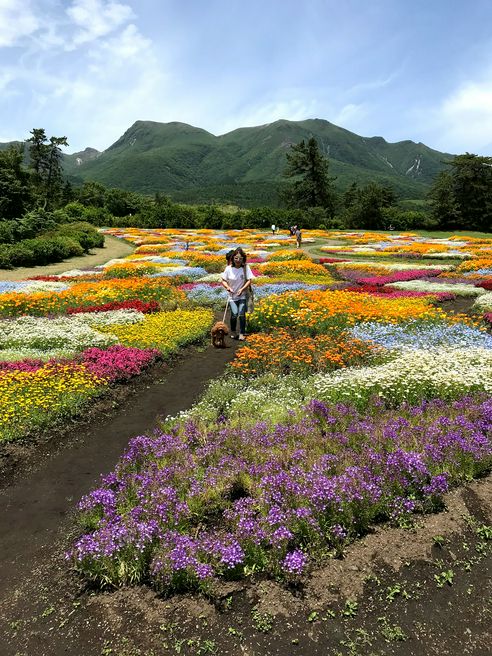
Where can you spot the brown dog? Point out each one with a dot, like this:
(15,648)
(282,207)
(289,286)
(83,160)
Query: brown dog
(218,333)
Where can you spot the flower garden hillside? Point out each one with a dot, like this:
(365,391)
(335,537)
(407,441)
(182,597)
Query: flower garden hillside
(361,394)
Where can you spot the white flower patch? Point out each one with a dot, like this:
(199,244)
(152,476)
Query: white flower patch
(483,303)
(13,355)
(40,333)
(75,273)
(211,277)
(450,255)
(410,376)
(119,260)
(424,286)
(112,317)
(414,375)
(42,286)
(392,266)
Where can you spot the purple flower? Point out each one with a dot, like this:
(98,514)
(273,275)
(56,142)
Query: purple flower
(294,562)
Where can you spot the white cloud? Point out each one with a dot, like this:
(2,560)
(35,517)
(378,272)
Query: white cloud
(17,20)
(97,18)
(349,116)
(292,110)
(128,45)
(467,116)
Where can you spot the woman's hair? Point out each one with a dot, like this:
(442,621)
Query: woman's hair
(239,251)
(229,255)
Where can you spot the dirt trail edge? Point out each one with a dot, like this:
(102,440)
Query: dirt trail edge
(35,507)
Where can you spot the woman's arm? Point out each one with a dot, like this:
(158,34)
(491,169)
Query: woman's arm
(244,287)
(226,285)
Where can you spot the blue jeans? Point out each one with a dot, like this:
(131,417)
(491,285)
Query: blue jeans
(238,309)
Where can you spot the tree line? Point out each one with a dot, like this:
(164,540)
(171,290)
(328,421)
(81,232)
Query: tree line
(34,195)
(459,199)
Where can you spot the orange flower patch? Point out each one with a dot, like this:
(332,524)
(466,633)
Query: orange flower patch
(285,352)
(315,312)
(94,293)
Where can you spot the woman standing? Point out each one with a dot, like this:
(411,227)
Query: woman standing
(236,279)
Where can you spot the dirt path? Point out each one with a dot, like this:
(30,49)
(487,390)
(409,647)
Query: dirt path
(113,248)
(36,509)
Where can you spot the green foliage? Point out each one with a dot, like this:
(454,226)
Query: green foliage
(312,187)
(30,225)
(401,219)
(92,194)
(84,233)
(53,245)
(245,166)
(15,191)
(38,251)
(119,202)
(365,207)
(46,164)
(462,196)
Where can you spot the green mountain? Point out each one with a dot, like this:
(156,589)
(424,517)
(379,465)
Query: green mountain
(245,166)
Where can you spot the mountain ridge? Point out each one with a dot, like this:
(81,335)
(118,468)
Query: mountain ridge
(188,162)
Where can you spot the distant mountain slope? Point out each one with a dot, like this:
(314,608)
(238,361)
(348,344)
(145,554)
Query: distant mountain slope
(246,164)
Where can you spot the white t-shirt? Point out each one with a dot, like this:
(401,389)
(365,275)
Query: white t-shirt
(235,278)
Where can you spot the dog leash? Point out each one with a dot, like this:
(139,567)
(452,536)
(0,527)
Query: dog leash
(225,311)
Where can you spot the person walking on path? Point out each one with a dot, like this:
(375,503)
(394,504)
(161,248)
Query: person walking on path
(236,279)
(298,234)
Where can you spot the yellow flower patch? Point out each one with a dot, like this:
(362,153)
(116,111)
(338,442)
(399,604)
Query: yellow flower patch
(166,331)
(300,267)
(31,399)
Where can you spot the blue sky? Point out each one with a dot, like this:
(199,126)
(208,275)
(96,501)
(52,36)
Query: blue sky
(87,69)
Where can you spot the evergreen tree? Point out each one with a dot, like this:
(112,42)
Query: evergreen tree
(54,170)
(92,194)
(365,207)
(45,160)
(313,187)
(15,191)
(444,209)
(462,197)
(472,184)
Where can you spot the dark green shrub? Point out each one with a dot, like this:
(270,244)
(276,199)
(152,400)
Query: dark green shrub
(5,257)
(6,232)
(22,254)
(64,246)
(84,233)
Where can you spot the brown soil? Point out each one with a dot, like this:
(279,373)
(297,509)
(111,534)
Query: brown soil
(425,589)
(113,248)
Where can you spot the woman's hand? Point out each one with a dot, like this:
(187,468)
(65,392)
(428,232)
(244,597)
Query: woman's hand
(227,287)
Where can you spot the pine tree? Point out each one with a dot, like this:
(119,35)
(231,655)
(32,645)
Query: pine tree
(462,197)
(45,160)
(313,187)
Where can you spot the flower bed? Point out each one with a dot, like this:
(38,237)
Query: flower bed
(284,352)
(36,398)
(82,294)
(184,506)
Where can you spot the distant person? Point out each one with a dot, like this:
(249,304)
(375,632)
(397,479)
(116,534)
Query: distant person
(274,227)
(236,279)
(298,235)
